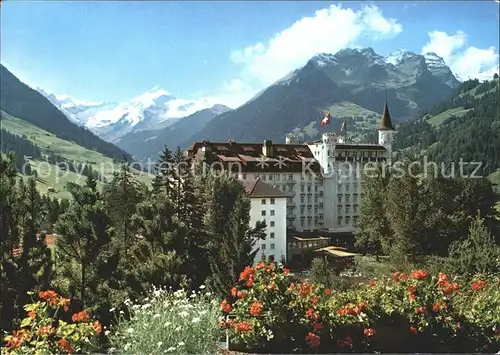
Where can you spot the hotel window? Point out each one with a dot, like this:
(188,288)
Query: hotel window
(272,246)
(290,176)
(329,152)
(315,209)
(302,210)
(270,177)
(302,200)
(355,196)
(347,220)
(277,177)
(271,224)
(263,201)
(272,201)
(355,208)
(309,209)
(263,177)
(309,220)
(290,224)
(347,197)
(301,222)
(321,194)
(263,213)
(263,247)
(309,188)
(321,205)
(347,187)
(302,187)
(339,221)
(340,198)
(315,199)
(309,199)
(355,221)
(347,208)
(272,212)
(321,216)
(271,235)
(315,188)
(339,207)
(271,258)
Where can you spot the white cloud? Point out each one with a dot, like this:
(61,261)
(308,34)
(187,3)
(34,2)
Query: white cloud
(329,30)
(465,61)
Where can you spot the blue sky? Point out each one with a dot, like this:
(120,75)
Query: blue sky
(113,51)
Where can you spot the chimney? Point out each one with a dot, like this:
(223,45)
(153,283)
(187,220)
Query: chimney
(267,148)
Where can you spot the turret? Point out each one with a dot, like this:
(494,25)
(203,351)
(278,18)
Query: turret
(386,130)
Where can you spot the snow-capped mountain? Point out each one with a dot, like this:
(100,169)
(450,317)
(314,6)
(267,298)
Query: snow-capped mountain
(153,109)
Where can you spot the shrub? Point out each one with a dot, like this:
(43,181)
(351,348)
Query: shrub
(168,322)
(44,332)
(404,313)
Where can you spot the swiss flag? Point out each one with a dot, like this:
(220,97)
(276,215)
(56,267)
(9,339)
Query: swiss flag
(326,120)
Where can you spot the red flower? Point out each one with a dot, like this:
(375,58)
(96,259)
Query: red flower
(243,327)
(371,283)
(314,300)
(80,316)
(312,314)
(256,308)
(247,273)
(478,285)
(260,265)
(240,295)
(15,340)
(291,287)
(412,289)
(66,346)
(317,326)
(97,327)
(419,274)
(436,307)
(346,342)
(403,277)
(304,289)
(47,295)
(234,292)
(413,329)
(369,332)
(46,331)
(327,292)
(395,276)
(313,340)
(32,314)
(286,271)
(420,310)
(225,306)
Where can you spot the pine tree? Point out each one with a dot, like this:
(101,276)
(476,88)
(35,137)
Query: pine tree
(164,171)
(122,195)
(83,248)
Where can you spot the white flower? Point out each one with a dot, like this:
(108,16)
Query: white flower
(156,315)
(112,309)
(127,346)
(177,329)
(167,324)
(172,348)
(146,306)
(203,312)
(106,333)
(184,314)
(130,330)
(160,343)
(121,312)
(196,320)
(181,343)
(202,287)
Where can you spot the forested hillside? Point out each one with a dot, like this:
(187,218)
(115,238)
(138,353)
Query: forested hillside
(467,127)
(19,100)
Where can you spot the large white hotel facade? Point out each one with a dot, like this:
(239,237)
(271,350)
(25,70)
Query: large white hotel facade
(318,184)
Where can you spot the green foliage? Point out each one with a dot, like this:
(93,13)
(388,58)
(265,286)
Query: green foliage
(477,253)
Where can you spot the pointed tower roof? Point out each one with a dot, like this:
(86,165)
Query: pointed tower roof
(386,122)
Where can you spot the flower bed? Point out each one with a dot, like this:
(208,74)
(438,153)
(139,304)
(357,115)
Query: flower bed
(406,313)
(44,331)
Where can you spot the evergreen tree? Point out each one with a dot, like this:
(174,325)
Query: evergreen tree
(164,171)
(84,254)
(476,254)
(122,195)
(231,239)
